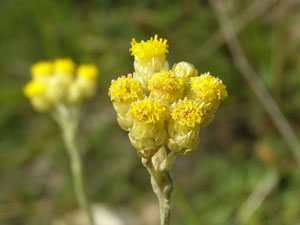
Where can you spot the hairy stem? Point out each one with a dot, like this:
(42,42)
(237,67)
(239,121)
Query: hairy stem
(68,121)
(162,186)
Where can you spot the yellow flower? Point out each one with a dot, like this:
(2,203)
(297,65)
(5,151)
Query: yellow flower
(123,92)
(54,82)
(87,71)
(166,87)
(148,133)
(64,66)
(184,126)
(187,113)
(147,111)
(208,88)
(149,49)
(149,58)
(161,107)
(42,68)
(125,89)
(34,88)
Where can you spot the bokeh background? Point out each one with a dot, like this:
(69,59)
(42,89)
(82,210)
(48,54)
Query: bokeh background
(241,151)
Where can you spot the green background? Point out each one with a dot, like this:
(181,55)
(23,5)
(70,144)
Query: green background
(236,151)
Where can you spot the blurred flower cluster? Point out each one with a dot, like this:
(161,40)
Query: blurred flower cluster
(160,105)
(58,82)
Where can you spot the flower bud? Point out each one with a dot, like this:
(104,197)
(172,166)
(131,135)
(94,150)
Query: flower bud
(64,67)
(184,126)
(209,91)
(185,70)
(42,70)
(35,90)
(149,58)
(123,92)
(148,133)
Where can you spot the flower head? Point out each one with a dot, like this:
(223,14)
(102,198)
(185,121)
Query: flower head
(165,81)
(208,88)
(87,71)
(42,68)
(150,48)
(166,87)
(64,66)
(125,88)
(34,88)
(147,111)
(187,113)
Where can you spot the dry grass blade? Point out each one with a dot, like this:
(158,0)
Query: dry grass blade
(240,21)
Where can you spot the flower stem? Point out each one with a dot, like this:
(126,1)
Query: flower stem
(164,208)
(162,186)
(68,121)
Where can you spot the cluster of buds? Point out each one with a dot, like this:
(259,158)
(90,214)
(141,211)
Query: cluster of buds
(55,82)
(160,106)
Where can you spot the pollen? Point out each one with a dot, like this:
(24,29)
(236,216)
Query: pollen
(208,87)
(34,89)
(64,66)
(42,68)
(187,113)
(88,71)
(125,88)
(148,111)
(150,48)
(166,81)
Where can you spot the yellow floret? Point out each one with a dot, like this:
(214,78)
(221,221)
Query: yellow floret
(42,68)
(125,88)
(88,71)
(187,113)
(34,88)
(64,66)
(208,87)
(166,81)
(148,111)
(150,48)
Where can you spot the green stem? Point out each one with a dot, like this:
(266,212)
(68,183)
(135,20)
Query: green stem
(162,186)
(164,198)
(68,121)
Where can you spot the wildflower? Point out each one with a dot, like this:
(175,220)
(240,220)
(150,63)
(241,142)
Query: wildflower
(125,89)
(55,87)
(123,92)
(166,87)
(184,126)
(55,83)
(149,58)
(148,133)
(208,88)
(209,91)
(64,66)
(152,48)
(41,70)
(84,85)
(161,107)
(35,90)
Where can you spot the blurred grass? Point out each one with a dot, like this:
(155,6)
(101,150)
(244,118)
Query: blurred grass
(213,183)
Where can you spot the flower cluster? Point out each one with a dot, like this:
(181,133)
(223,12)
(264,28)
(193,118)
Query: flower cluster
(55,82)
(161,106)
